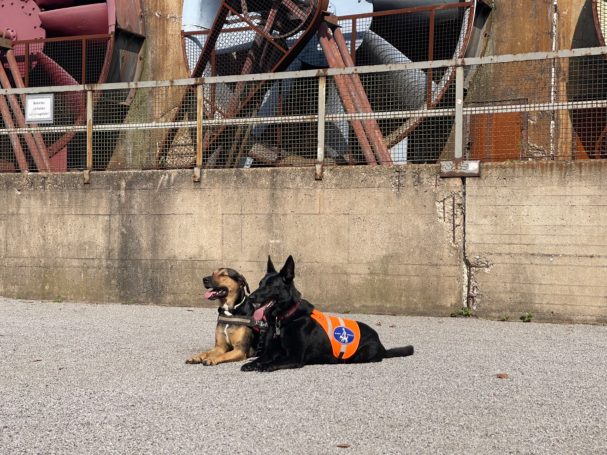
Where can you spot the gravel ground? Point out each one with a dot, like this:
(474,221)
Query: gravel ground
(83,378)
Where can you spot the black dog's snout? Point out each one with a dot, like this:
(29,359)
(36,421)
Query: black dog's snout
(256,298)
(207,282)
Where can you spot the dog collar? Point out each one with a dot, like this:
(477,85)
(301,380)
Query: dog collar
(228,312)
(289,313)
(244,298)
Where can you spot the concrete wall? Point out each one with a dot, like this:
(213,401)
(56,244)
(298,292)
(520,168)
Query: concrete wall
(364,239)
(388,240)
(536,238)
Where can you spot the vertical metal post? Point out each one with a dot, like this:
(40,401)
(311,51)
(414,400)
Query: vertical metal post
(322,109)
(27,64)
(459,112)
(429,73)
(353,45)
(199,114)
(199,132)
(83,70)
(89,130)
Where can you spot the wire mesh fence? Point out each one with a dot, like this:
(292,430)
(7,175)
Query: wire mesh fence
(521,107)
(62,61)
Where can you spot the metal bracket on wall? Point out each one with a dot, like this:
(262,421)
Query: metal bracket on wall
(197,174)
(460,168)
(318,173)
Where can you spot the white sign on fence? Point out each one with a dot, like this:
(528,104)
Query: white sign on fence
(39,108)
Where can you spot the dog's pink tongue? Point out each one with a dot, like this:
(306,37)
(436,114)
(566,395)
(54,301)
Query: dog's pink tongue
(258,315)
(210,293)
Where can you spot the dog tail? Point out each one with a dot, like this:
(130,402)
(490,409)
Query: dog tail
(399,352)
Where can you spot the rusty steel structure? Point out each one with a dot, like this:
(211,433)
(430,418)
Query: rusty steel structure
(393,31)
(280,29)
(63,42)
(70,42)
(267,121)
(591,124)
(352,93)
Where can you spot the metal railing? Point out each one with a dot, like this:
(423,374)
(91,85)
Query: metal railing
(493,108)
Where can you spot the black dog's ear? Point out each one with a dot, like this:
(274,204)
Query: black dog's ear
(270,268)
(288,270)
(246,285)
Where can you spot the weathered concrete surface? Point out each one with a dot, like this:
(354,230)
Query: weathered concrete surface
(111,379)
(536,238)
(386,240)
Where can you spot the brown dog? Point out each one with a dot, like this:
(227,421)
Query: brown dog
(234,339)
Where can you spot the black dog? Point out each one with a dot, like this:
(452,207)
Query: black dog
(300,335)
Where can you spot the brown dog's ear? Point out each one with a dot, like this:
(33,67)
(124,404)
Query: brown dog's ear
(270,268)
(239,279)
(288,270)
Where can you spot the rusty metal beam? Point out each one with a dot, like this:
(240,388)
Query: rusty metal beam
(264,38)
(14,68)
(14,137)
(209,44)
(375,136)
(42,164)
(333,58)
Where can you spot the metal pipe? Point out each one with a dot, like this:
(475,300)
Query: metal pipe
(266,31)
(14,68)
(322,110)
(369,69)
(341,83)
(83,63)
(353,44)
(459,113)
(360,97)
(14,138)
(89,130)
(210,42)
(27,64)
(432,27)
(199,116)
(41,164)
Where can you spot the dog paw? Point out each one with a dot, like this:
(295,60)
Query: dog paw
(265,367)
(209,362)
(197,358)
(250,366)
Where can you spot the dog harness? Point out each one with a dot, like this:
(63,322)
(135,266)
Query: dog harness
(344,334)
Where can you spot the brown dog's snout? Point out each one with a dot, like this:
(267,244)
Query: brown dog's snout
(207,282)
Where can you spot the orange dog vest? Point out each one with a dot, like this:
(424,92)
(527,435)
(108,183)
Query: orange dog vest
(344,334)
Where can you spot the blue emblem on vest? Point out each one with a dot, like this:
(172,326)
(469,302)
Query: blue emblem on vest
(344,335)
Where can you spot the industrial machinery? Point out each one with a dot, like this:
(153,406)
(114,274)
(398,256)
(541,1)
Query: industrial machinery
(246,37)
(62,42)
(590,124)
(69,42)
(384,32)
